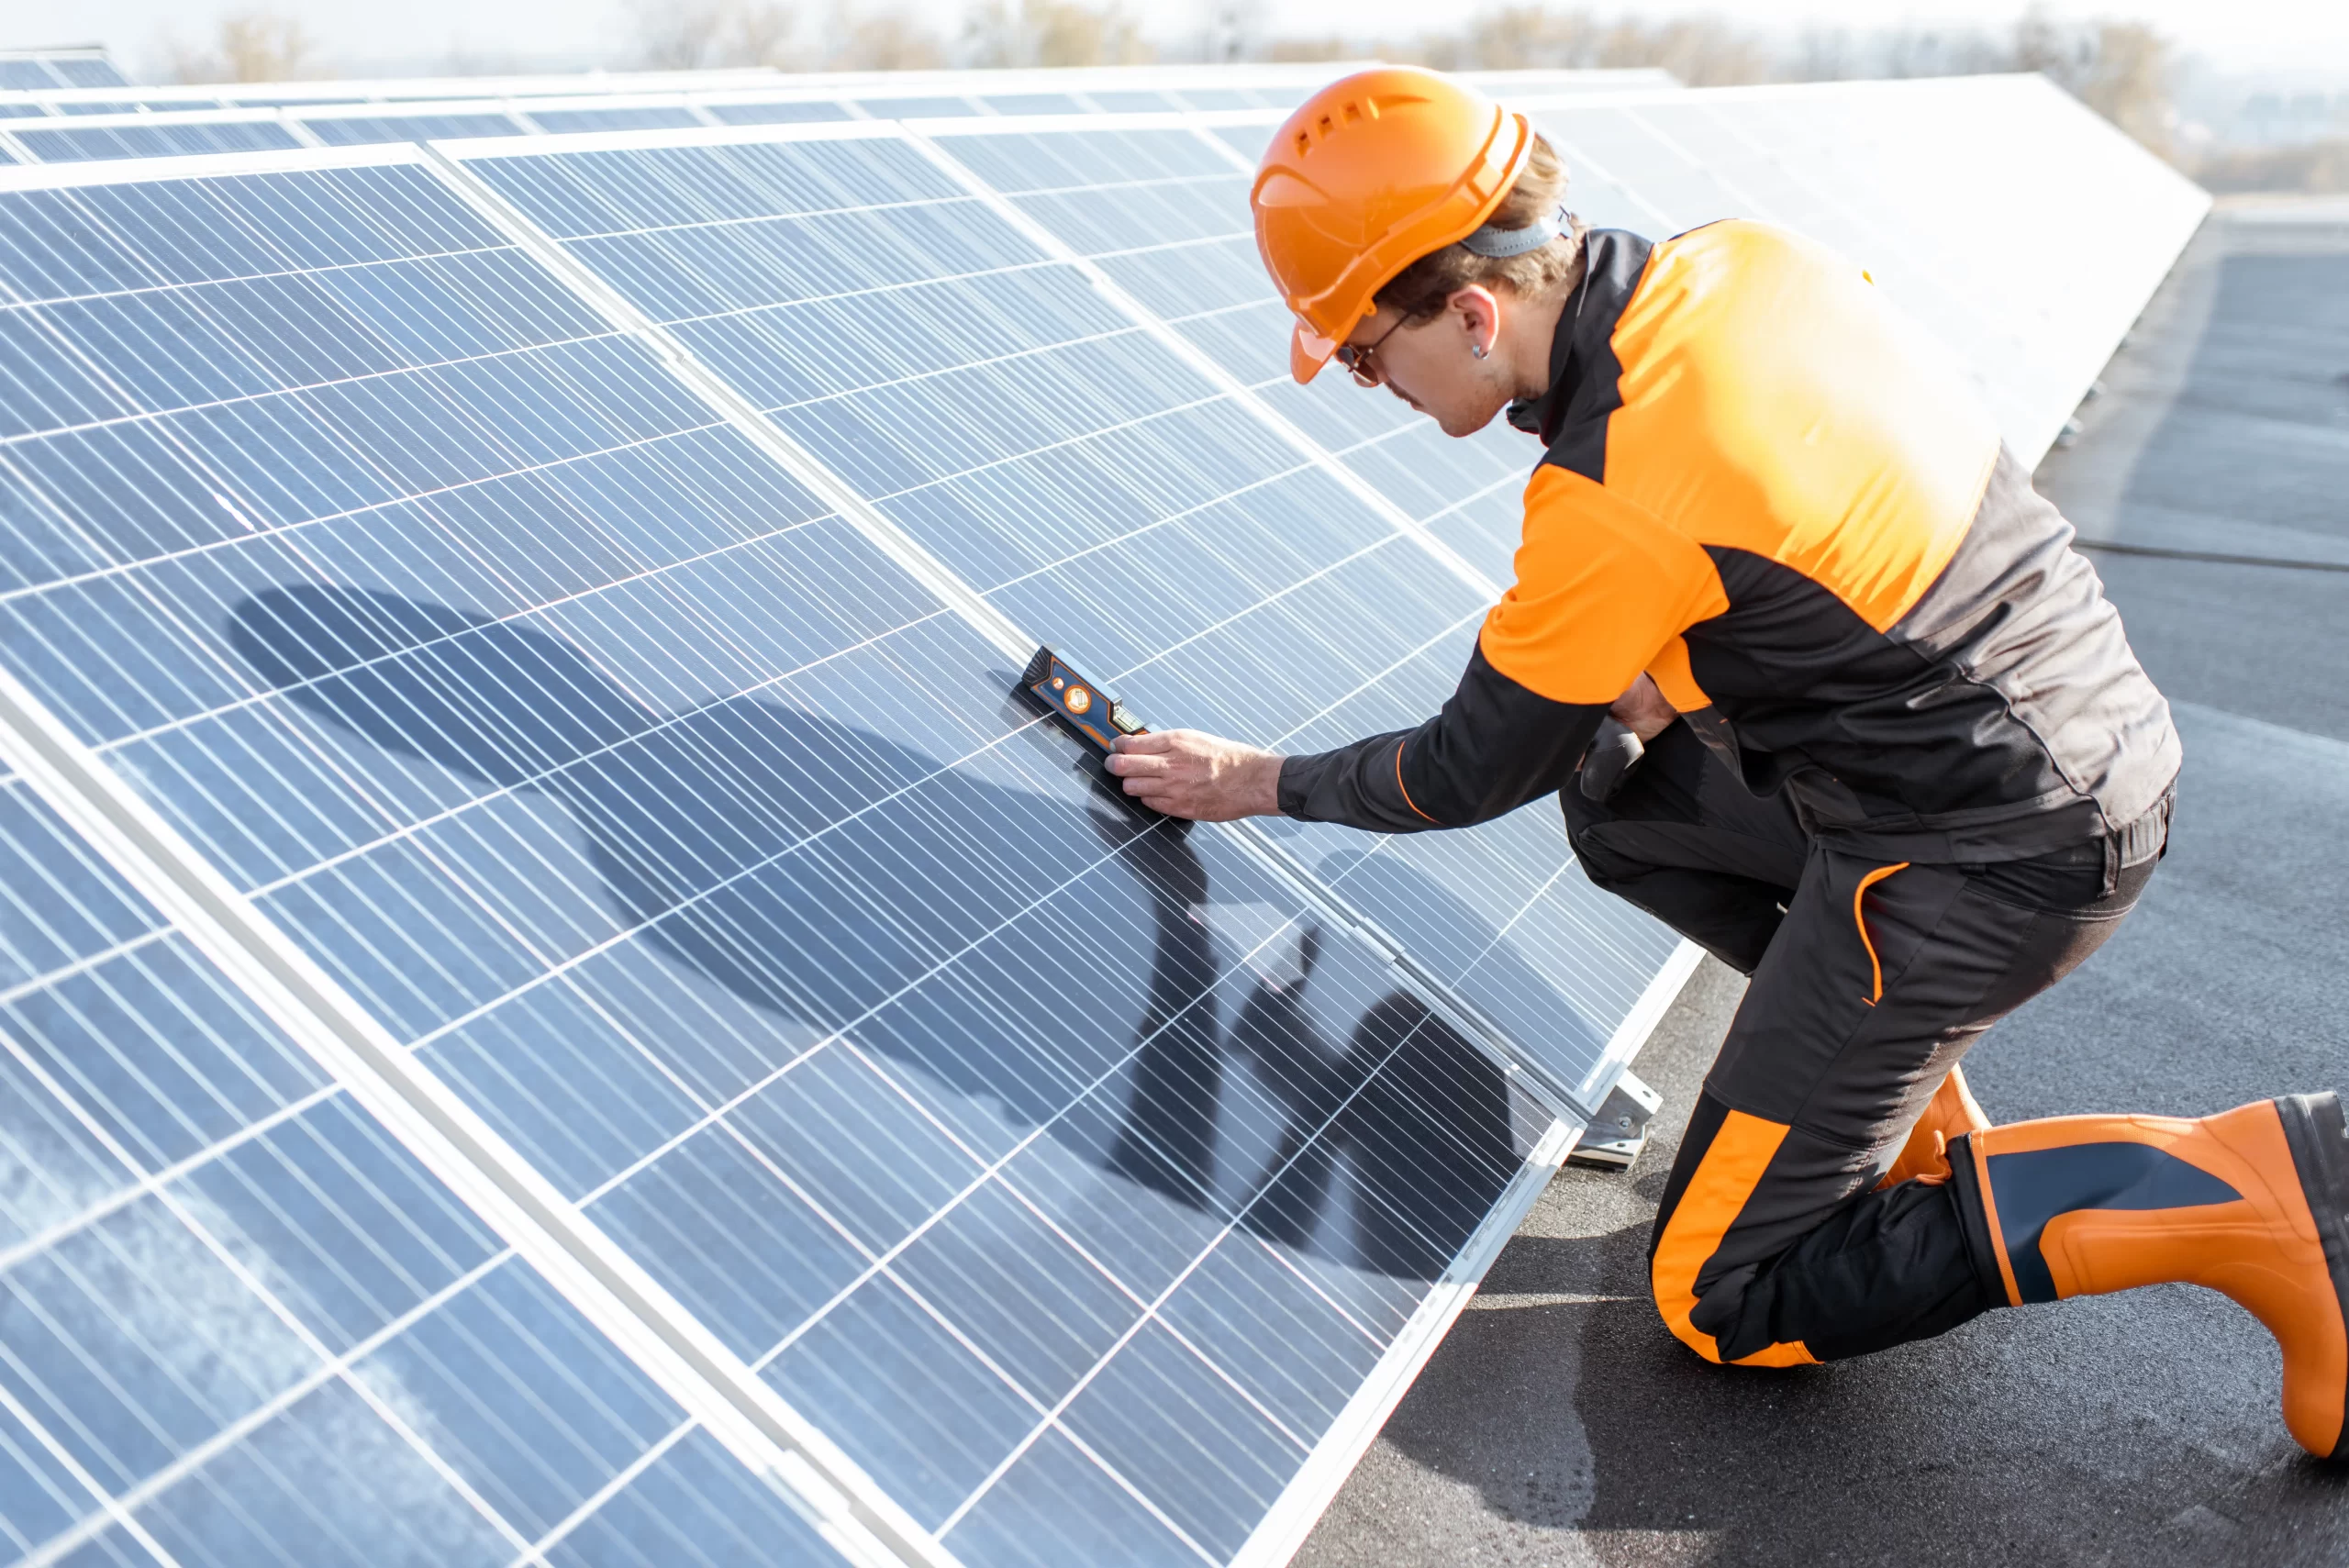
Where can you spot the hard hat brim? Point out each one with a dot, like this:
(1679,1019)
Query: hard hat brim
(1308,352)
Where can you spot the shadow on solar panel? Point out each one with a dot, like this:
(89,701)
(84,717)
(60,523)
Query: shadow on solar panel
(1227,1156)
(478,705)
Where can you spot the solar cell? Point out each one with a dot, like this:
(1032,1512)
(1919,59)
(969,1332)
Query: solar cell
(681,848)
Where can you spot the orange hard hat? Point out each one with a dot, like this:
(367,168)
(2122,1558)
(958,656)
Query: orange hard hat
(1372,172)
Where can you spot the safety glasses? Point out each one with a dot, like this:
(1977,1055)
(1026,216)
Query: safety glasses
(1357,361)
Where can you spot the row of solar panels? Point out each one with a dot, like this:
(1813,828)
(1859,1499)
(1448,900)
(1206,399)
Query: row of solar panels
(146,135)
(842,95)
(49,70)
(557,1011)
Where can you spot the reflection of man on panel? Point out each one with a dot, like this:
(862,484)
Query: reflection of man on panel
(1899,764)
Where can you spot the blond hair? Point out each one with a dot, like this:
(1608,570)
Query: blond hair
(1418,292)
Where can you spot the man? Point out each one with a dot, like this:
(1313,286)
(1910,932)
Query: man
(1881,743)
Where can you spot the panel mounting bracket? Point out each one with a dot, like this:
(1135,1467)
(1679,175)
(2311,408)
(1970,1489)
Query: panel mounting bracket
(1619,1128)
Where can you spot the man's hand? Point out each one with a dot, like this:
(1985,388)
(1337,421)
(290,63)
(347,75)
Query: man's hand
(1642,710)
(1203,777)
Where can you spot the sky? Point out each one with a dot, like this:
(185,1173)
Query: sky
(2308,37)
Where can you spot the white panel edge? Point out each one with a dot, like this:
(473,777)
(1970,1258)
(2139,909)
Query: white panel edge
(1308,1494)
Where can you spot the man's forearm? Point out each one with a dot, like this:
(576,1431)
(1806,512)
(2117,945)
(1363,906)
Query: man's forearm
(1359,785)
(1493,748)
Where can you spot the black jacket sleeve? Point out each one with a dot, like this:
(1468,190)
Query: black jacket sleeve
(1494,746)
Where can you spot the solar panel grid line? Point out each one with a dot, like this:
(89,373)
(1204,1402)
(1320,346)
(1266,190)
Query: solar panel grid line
(172,130)
(149,1182)
(132,737)
(111,1509)
(212,1444)
(463,1152)
(975,92)
(1321,455)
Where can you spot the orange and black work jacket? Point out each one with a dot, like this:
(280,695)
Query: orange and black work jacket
(1773,494)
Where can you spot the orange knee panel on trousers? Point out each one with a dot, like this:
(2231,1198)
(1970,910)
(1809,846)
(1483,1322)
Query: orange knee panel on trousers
(1734,1163)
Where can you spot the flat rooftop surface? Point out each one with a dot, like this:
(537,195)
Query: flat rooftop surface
(1559,1424)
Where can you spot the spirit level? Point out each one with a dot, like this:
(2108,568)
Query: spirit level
(1076,702)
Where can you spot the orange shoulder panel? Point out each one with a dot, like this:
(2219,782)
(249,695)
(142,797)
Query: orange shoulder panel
(1774,403)
(1601,588)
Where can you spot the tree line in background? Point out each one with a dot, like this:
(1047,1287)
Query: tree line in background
(2125,69)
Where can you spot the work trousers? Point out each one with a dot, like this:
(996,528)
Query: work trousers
(1773,1245)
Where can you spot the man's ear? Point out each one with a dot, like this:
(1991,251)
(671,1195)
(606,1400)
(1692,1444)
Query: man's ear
(1479,311)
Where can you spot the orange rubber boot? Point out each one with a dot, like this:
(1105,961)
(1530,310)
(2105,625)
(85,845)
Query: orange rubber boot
(1951,1114)
(2254,1204)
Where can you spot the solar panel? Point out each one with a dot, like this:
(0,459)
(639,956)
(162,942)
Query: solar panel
(1096,490)
(1893,179)
(1061,1187)
(240,1322)
(1033,104)
(49,69)
(71,143)
(1163,213)
(783,111)
(356,130)
(85,70)
(187,126)
(907,107)
(555,122)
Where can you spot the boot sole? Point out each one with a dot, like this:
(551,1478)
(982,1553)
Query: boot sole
(2315,1131)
